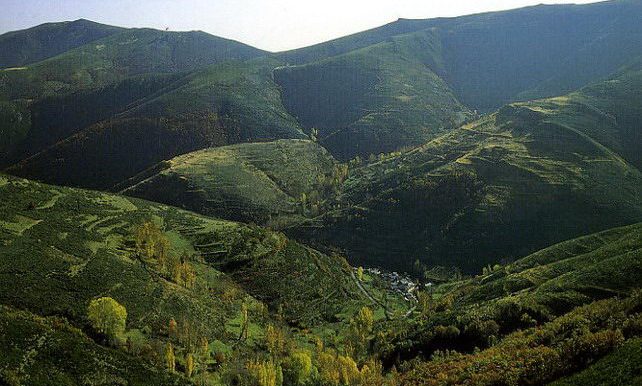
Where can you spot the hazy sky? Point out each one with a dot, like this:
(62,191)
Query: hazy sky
(268,24)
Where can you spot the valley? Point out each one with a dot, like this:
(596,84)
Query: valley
(448,201)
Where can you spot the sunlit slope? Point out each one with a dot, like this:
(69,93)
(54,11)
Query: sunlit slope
(31,45)
(274,183)
(528,176)
(81,242)
(538,311)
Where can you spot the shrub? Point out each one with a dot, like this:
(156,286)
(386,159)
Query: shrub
(584,349)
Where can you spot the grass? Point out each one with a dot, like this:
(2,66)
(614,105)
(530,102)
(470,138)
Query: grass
(622,367)
(542,302)
(258,182)
(513,182)
(50,351)
(74,245)
(19,48)
(376,99)
(121,54)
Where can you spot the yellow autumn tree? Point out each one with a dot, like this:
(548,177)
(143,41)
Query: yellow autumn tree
(297,368)
(328,368)
(275,341)
(348,371)
(170,358)
(360,328)
(264,373)
(189,365)
(107,316)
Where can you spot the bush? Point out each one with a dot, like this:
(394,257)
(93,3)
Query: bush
(584,349)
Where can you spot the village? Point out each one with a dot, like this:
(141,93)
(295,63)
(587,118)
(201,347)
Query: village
(397,282)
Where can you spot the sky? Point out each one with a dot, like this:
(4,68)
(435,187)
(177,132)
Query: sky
(273,25)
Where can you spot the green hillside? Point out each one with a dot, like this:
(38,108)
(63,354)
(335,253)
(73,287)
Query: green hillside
(144,120)
(575,301)
(62,247)
(622,367)
(515,181)
(31,45)
(493,58)
(376,99)
(31,126)
(242,93)
(273,183)
(115,57)
(398,85)
(50,351)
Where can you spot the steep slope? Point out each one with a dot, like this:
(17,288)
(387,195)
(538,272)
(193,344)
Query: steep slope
(50,351)
(376,99)
(622,367)
(219,105)
(273,183)
(113,58)
(517,180)
(394,86)
(31,126)
(31,45)
(62,247)
(493,58)
(548,305)
(243,93)
(90,232)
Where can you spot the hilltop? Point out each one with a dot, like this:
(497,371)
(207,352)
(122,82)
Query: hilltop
(19,48)
(272,183)
(411,80)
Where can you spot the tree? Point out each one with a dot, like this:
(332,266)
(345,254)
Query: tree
(244,322)
(328,368)
(361,327)
(189,365)
(107,316)
(170,359)
(360,273)
(152,244)
(275,341)
(172,328)
(424,302)
(314,134)
(348,371)
(297,368)
(204,348)
(264,373)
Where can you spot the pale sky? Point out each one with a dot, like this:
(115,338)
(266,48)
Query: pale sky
(272,25)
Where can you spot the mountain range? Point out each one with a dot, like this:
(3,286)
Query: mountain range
(485,170)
